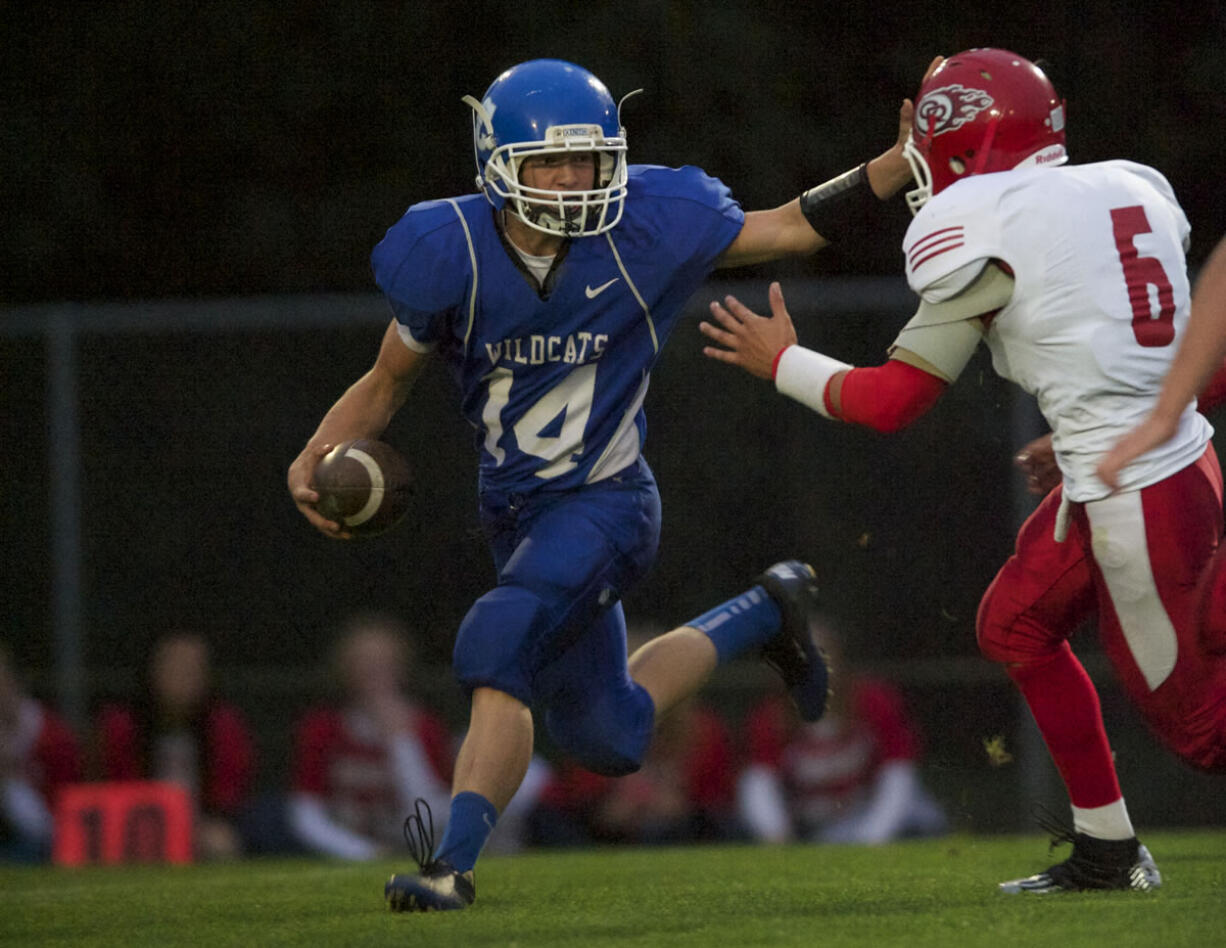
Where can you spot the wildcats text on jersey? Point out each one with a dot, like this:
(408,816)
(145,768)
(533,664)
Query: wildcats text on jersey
(575,349)
(526,362)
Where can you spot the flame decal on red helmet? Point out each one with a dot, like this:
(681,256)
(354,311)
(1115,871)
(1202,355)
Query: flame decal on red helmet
(948,108)
(982,111)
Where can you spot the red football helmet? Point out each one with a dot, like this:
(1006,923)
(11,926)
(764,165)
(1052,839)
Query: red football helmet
(982,110)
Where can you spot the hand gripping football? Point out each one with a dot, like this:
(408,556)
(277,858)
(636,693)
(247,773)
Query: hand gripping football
(363,485)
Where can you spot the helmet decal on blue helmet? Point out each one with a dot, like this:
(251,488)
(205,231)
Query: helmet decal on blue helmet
(550,107)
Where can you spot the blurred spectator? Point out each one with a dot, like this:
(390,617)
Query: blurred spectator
(683,792)
(38,755)
(182,733)
(851,777)
(359,767)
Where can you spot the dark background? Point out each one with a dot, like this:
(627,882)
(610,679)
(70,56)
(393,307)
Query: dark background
(156,148)
(214,154)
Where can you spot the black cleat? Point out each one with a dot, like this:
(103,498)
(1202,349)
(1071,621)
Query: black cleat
(1094,864)
(438,886)
(792,653)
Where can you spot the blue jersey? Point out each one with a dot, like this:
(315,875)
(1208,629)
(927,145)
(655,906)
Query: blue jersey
(553,380)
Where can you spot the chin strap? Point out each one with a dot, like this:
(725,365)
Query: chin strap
(986,148)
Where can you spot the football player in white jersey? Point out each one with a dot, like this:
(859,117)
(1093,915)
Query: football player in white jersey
(1075,278)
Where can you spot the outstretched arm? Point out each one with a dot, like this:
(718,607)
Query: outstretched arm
(886,397)
(362,412)
(1197,365)
(786,231)
(809,222)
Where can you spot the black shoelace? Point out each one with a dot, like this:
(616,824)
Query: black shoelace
(419,835)
(1059,831)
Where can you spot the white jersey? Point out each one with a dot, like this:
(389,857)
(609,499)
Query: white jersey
(1099,304)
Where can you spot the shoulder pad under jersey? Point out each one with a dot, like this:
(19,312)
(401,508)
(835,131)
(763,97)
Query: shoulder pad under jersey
(424,257)
(688,182)
(1157,180)
(952,237)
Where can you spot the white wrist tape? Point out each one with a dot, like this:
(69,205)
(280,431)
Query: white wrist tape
(803,374)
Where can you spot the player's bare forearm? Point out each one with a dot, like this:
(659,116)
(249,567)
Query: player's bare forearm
(368,405)
(363,411)
(1203,346)
(784,231)
(1157,429)
(1200,355)
(772,235)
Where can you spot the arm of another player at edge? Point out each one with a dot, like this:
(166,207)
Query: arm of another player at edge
(1196,369)
(363,411)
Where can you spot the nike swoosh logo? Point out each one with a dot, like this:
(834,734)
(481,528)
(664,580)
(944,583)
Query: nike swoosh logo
(593,293)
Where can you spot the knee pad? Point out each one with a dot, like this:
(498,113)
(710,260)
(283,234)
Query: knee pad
(992,631)
(494,645)
(607,733)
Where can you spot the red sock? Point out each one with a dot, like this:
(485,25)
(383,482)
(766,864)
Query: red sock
(1065,707)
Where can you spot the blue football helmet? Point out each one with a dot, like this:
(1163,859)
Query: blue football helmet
(549,106)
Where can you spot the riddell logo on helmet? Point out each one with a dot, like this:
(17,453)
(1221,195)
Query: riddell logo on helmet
(564,133)
(948,108)
(1051,155)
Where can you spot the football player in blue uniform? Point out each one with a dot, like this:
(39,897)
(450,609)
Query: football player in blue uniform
(549,294)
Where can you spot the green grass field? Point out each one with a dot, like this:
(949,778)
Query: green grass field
(938,892)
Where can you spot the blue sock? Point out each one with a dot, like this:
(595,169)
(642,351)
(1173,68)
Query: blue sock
(469,826)
(739,624)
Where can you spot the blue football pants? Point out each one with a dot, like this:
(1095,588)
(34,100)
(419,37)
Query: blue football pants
(552,632)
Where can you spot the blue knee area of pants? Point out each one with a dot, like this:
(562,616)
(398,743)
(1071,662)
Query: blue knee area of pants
(490,646)
(607,732)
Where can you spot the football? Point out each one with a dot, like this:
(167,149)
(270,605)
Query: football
(363,485)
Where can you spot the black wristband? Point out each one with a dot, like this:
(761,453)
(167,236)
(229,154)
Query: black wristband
(841,203)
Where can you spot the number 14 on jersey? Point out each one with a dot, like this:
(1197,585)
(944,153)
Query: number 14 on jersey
(552,428)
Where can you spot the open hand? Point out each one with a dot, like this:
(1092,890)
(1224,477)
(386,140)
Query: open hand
(751,341)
